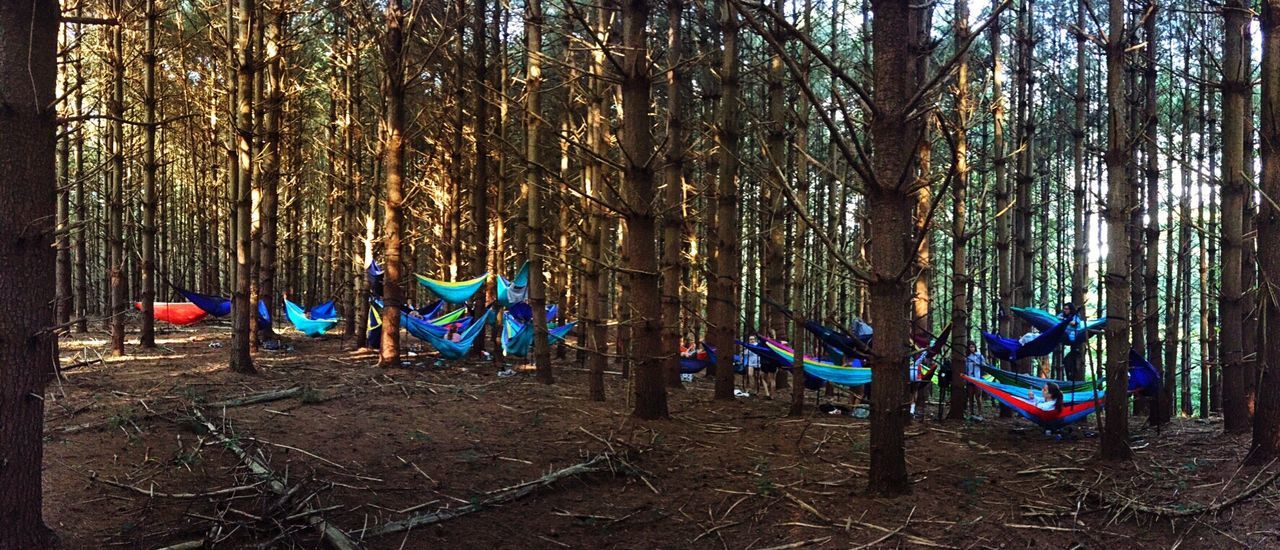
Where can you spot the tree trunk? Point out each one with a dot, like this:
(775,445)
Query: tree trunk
(722,296)
(959,194)
(1115,435)
(393,90)
(889,206)
(533,183)
(596,287)
(636,141)
(115,217)
(1079,277)
(242,309)
(480,181)
(271,122)
(673,193)
(28,125)
(1266,422)
(1235,83)
(1151,319)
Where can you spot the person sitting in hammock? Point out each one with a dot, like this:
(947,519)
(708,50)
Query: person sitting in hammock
(1050,398)
(451,334)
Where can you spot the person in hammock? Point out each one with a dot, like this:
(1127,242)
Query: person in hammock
(1050,398)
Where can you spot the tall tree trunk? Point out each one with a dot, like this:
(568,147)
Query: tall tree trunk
(62,230)
(393,88)
(480,179)
(960,280)
(271,122)
(773,215)
(1115,435)
(1265,446)
(242,308)
(1151,320)
(673,193)
(115,218)
(889,207)
(28,125)
(636,140)
(1079,277)
(1004,221)
(722,296)
(1235,82)
(81,232)
(596,289)
(147,337)
(533,183)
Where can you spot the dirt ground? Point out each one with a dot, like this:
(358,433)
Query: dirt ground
(129,464)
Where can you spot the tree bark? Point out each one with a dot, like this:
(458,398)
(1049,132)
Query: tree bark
(271,122)
(960,280)
(673,193)
(115,206)
(28,125)
(1235,83)
(722,296)
(1265,446)
(393,90)
(533,183)
(1115,435)
(889,207)
(242,309)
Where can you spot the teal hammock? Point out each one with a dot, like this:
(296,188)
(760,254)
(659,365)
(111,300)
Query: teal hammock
(306,325)
(455,350)
(517,337)
(515,290)
(454,292)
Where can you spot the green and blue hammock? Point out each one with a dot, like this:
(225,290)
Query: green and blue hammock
(517,337)
(1076,404)
(1028,381)
(314,322)
(1077,332)
(453,292)
(448,348)
(516,290)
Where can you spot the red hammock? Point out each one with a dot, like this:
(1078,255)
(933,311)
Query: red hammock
(178,313)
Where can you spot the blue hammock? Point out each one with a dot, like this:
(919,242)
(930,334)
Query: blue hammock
(216,306)
(424,329)
(454,292)
(1143,376)
(323,311)
(522,312)
(1034,382)
(1077,333)
(306,325)
(854,375)
(517,337)
(839,344)
(456,350)
(1010,350)
(690,365)
(376,276)
(516,290)
(769,359)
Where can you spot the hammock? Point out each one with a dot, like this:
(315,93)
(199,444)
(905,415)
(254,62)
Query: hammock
(454,292)
(516,290)
(839,343)
(1011,378)
(1070,413)
(1044,344)
(517,338)
(769,359)
(690,365)
(1077,333)
(177,313)
(424,329)
(323,311)
(845,376)
(373,328)
(522,312)
(444,319)
(456,350)
(306,325)
(216,306)
(376,277)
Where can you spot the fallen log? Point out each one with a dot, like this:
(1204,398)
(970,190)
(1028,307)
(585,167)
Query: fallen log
(334,536)
(598,464)
(264,397)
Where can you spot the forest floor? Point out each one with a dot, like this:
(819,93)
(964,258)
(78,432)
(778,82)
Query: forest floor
(129,462)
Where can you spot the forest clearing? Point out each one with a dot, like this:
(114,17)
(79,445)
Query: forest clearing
(367,447)
(750,274)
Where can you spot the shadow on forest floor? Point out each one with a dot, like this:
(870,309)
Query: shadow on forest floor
(141,453)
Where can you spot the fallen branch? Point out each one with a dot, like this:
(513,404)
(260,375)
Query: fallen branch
(599,463)
(265,397)
(333,535)
(1167,512)
(79,364)
(799,544)
(152,493)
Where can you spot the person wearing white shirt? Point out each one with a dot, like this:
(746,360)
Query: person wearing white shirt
(973,363)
